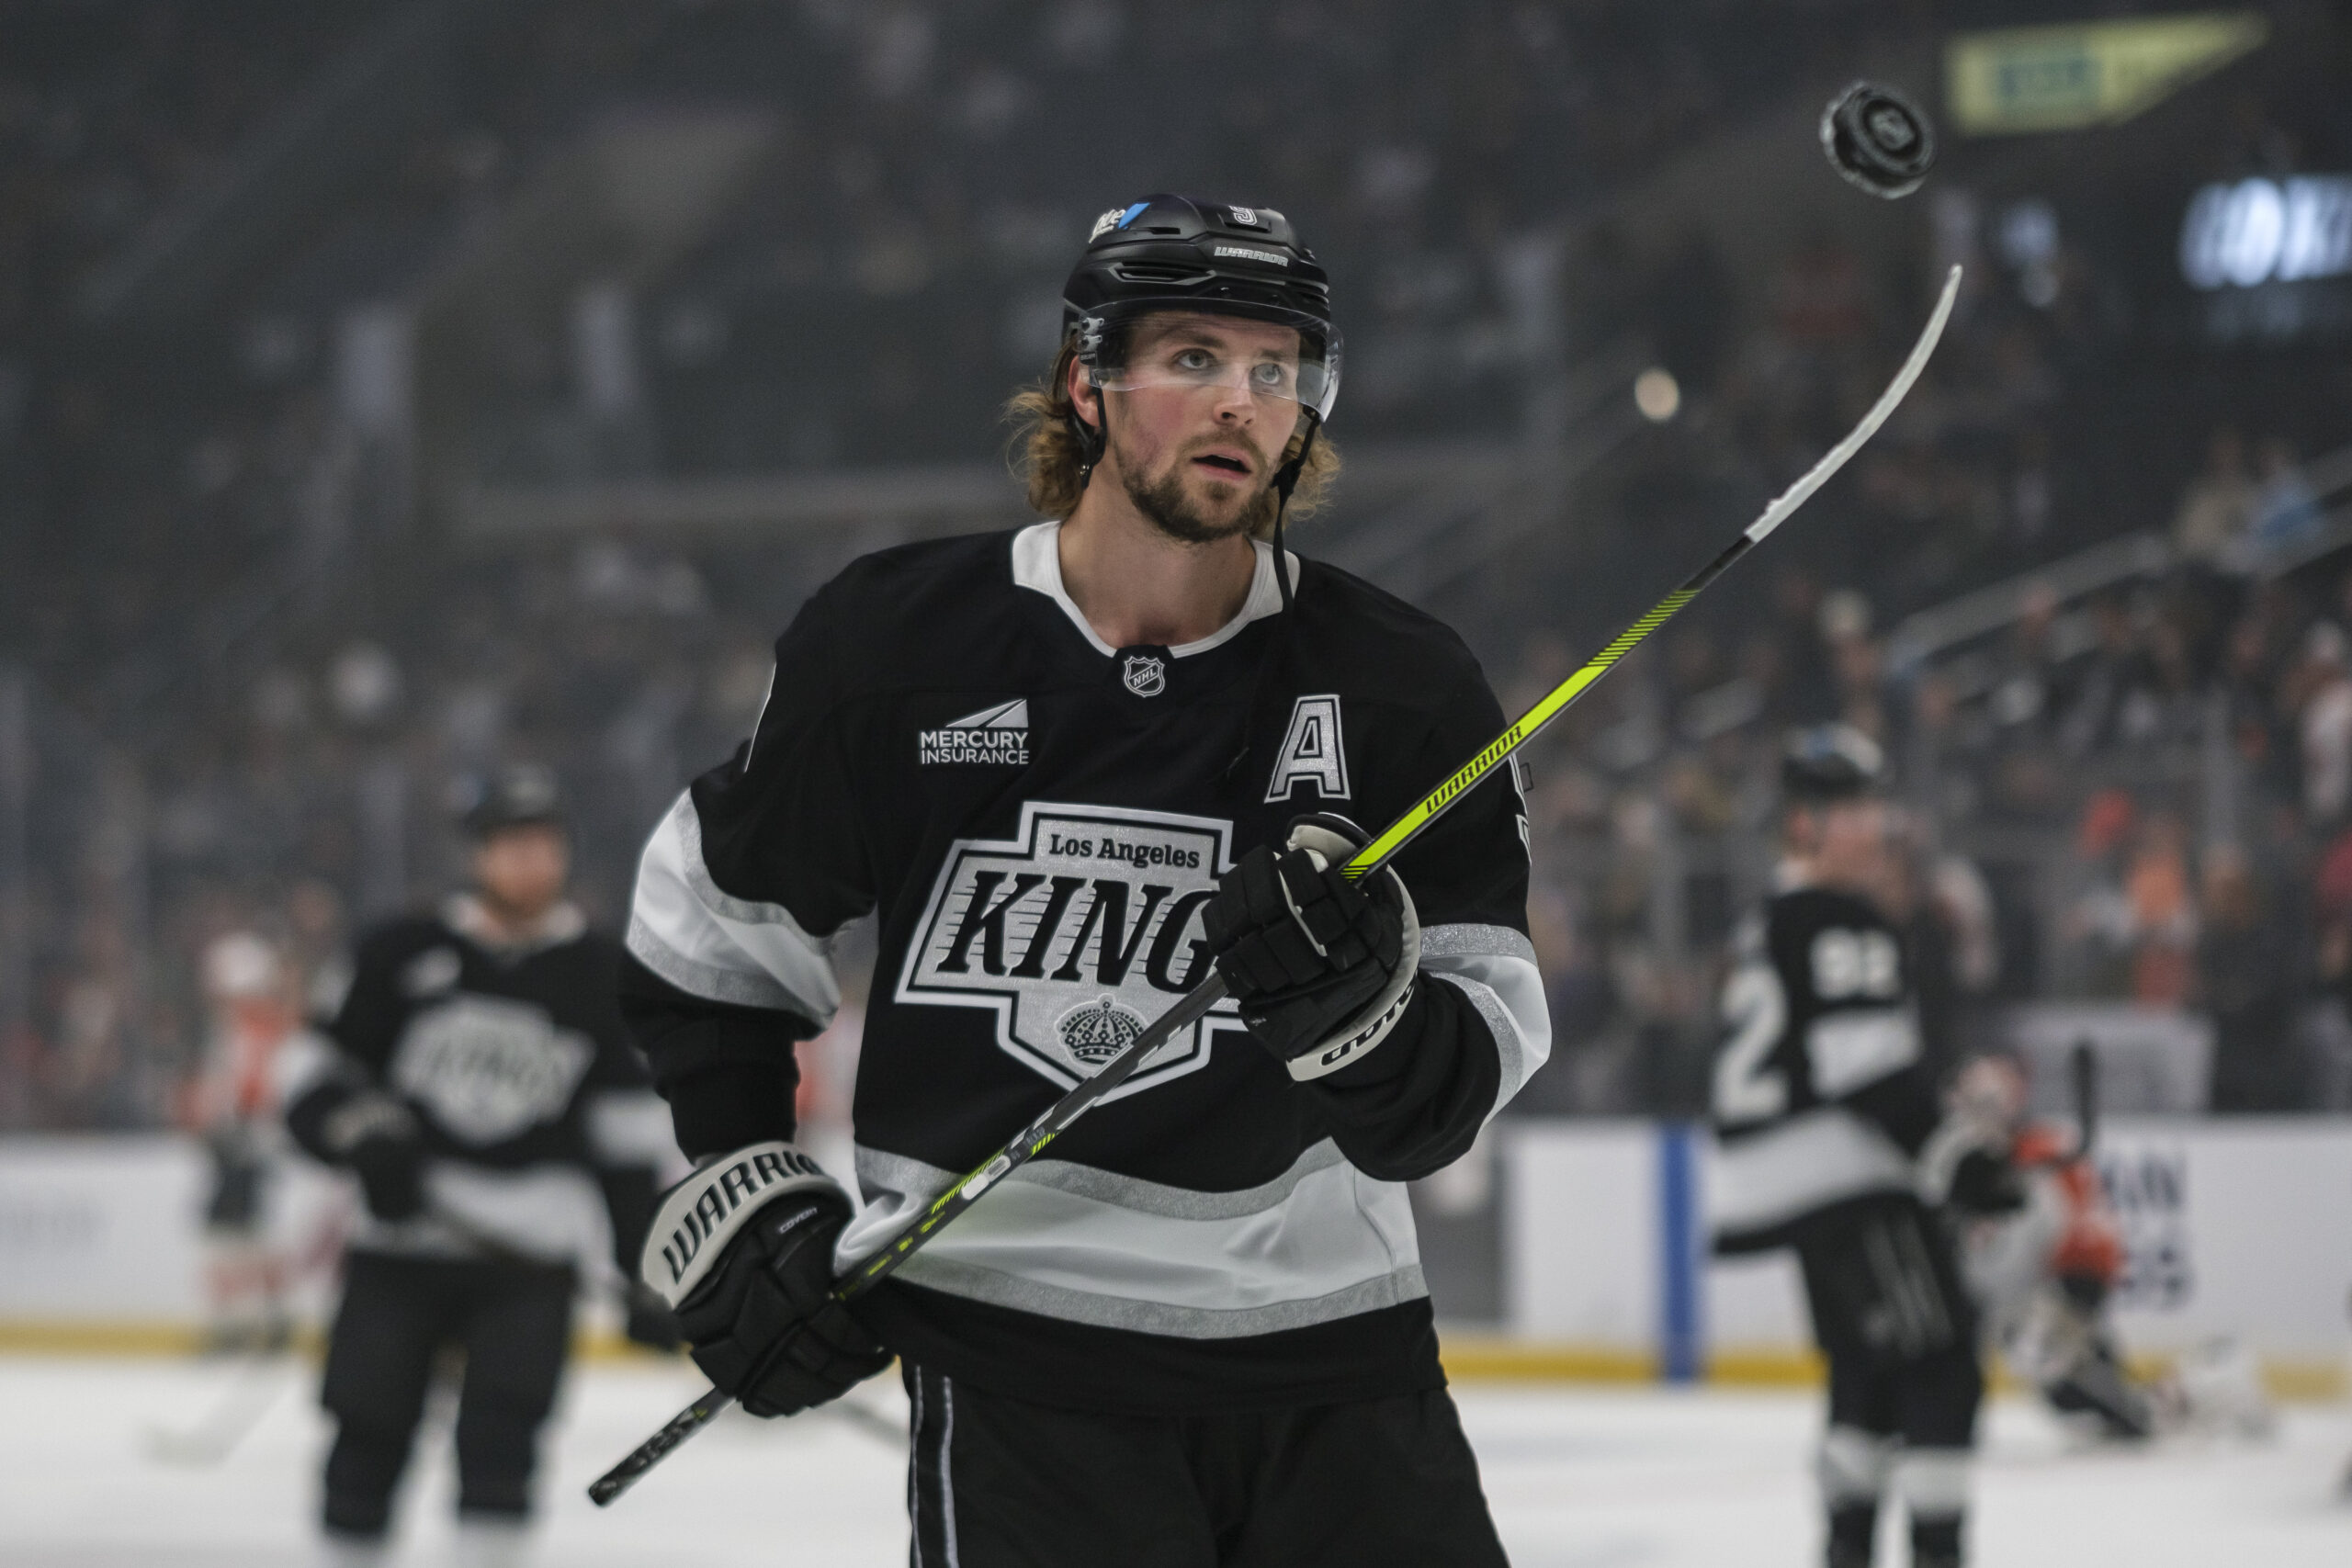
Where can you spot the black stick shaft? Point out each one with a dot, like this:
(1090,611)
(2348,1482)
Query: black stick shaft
(656,1448)
(2085,1062)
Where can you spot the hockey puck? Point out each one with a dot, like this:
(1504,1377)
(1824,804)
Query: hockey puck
(1878,139)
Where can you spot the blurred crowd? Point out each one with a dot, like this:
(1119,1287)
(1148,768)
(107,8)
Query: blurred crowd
(2139,795)
(249,668)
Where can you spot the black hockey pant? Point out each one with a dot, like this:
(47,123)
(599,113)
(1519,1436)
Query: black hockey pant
(998,1483)
(513,1323)
(1899,1331)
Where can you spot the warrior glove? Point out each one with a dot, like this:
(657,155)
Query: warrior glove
(376,1138)
(1322,967)
(743,1250)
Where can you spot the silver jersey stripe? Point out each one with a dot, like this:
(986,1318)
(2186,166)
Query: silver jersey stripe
(1500,1025)
(1099,1311)
(553,1211)
(1813,1159)
(706,941)
(1478,942)
(743,911)
(1323,1241)
(750,988)
(1852,1048)
(896,1173)
(1495,967)
(631,1127)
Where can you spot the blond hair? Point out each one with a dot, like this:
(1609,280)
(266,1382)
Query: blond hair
(1049,460)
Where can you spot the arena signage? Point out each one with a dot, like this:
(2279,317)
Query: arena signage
(2074,75)
(2258,231)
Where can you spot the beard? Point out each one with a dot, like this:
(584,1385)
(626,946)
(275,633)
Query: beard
(1165,505)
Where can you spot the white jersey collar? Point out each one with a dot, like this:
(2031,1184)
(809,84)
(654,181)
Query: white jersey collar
(1037,566)
(464,914)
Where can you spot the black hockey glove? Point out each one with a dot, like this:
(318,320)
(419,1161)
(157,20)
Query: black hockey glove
(1322,967)
(743,1251)
(1985,1185)
(376,1138)
(1965,1167)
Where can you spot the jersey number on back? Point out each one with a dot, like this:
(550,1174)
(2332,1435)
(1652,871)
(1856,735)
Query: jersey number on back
(1755,1007)
(1855,963)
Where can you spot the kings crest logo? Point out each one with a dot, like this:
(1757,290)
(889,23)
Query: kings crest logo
(1146,676)
(1075,932)
(998,734)
(1098,1031)
(488,1069)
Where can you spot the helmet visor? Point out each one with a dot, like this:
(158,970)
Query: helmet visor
(1275,357)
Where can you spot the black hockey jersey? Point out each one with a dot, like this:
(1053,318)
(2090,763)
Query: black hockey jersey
(1821,1094)
(1036,819)
(542,1132)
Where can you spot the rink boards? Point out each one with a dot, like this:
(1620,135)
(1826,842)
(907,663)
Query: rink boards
(2239,1227)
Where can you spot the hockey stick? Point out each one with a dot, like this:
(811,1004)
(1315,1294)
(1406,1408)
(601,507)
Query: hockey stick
(1032,1139)
(254,1385)
(258,1385)
(2083,1064)
(253,1391)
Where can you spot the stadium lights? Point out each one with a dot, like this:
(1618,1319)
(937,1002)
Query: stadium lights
(2258,230)
(1656,394)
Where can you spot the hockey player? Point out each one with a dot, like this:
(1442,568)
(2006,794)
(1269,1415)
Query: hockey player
(2044,1274)
(1066,769)
(479,1082)
(1822,1107)
(231,1104)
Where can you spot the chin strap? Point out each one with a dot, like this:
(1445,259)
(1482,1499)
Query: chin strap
(1278,643)
(1093,440)
(1285,483)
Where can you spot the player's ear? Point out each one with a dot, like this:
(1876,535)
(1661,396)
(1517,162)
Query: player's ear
(1078,386)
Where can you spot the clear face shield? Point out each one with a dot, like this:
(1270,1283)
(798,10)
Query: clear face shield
(1286,363)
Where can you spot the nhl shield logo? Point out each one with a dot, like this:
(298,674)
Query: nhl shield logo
(1145,676)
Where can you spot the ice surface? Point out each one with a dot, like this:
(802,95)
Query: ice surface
(1580,1478)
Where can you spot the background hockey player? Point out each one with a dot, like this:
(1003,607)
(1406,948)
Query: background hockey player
(232,1104)
(2044,1273)
(1823,1104)
(480,1084)
(1061,768)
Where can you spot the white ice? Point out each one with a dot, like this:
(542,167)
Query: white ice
(1579,1478)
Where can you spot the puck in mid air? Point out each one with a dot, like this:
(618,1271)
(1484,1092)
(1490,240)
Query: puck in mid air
(1878,139)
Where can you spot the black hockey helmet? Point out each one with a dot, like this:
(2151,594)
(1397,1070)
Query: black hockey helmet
(522,794)
(1830,761)
(1170,253)
(1173,253)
